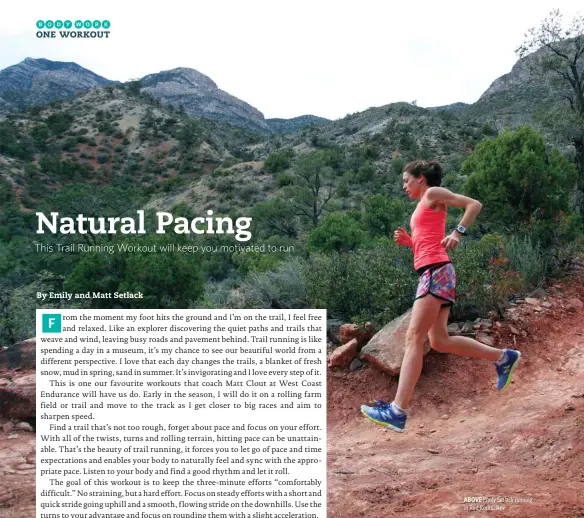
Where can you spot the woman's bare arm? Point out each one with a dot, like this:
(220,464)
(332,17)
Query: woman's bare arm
(471,210)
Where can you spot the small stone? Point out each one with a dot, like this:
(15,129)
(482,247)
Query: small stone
(486,322)
(445,416)
(355,364)
(519,301)
(537,309)
(433,431)
(569,408)
(494,316)
(8,427)
(343,355)
(432,450)
(531,301)
(546,305)
(476,326)
(514,330)
(539,294)
(467,327)
(421,426)
(577,303)
(13,436)
(453,329)
(25,427)
(474,407)
(478,321)
(462,420)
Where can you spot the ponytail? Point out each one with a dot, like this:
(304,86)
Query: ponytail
(432,171)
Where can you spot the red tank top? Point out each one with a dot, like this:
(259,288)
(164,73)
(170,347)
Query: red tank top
(428,228)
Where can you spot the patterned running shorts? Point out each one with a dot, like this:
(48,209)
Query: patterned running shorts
(440,282)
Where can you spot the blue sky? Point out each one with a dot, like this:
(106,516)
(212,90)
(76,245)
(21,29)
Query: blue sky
(292,58)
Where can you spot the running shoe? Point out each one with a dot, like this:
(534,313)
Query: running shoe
(381,413)
(505,371)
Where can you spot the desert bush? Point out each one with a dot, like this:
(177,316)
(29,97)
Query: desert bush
(224,185)
(279,160)
(249,191)
(529,259)
(283,288)
(69,145)
(338,231)
(284,179)
(519,181)
(375,283)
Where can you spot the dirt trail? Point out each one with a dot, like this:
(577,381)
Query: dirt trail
(523,447)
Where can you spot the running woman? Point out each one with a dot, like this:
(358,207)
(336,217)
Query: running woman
(436,290)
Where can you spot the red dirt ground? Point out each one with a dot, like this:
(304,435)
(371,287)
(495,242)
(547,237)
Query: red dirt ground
(523,447)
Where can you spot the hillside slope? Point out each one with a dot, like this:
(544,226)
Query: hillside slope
(526,442)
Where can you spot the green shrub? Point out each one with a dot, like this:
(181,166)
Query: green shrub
(249,191)
(172,183)
(284,179)
(248,262)
(69,145)
(376,283)
(518,180)
(560,237)
(59,122)
(337,232)
(279,160)
(224,185)
(365,173)
(285,287)
(529,259)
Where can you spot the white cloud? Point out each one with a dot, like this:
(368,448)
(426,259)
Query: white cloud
(292,58)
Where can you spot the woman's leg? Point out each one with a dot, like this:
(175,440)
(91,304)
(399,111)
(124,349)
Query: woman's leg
(442,342)
(424,315)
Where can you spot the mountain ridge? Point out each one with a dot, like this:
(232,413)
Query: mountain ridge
(39,81)
(511,99)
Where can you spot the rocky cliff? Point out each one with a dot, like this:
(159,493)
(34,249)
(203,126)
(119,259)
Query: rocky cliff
(514,97)
(199,96)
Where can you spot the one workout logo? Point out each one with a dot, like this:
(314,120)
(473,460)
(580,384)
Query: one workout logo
(73,29)
(51,323)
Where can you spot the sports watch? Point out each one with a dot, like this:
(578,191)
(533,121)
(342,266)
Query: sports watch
(460,229)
